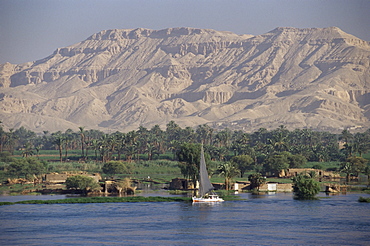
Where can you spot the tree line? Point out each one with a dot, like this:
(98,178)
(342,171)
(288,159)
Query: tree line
(261,151)
(221,145)
(236,152)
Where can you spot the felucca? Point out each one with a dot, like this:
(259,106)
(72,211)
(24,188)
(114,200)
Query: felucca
(205,192)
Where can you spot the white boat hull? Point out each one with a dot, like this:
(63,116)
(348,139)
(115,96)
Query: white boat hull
(208,199)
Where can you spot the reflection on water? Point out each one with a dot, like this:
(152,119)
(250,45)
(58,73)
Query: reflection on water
(271,219)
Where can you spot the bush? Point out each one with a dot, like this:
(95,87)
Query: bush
(305,187)
(82,183)
(26,167)
(364,199)
(116,167)
(256,180)
(296,161)
(5,157)
(275,163)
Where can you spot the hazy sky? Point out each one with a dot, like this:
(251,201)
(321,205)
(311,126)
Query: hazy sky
(32,29)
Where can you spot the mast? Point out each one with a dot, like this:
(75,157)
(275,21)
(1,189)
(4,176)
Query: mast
(205,185)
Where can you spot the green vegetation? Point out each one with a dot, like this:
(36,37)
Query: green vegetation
(226,197)
(305,187)
(256,180)
(103,200)
(353,165)
(82,183)
(274,164)
(244,163)
(174,151)
(115,167)
(26,167)
(189,159)
(364,199)
(17,189)
(228,170)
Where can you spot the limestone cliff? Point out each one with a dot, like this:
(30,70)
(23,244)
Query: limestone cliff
(121,79)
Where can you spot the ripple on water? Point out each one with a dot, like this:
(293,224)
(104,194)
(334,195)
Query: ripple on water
(275,219)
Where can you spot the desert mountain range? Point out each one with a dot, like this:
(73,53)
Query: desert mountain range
(120,79)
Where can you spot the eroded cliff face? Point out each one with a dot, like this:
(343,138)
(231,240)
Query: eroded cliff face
(121,79)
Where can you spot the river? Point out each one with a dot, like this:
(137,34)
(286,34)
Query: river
(271,219)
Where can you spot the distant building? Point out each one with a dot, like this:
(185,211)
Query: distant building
(276,187)
(56,178)
(62,177)
(293,172)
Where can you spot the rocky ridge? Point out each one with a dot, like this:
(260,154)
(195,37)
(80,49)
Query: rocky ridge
(121,79)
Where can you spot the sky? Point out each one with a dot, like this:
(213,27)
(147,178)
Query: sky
(33,29)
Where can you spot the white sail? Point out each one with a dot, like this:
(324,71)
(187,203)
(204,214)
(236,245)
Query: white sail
(205,185)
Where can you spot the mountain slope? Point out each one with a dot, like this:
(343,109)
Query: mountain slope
(121,79)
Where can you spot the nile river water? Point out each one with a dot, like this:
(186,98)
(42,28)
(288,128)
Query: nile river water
(271,219)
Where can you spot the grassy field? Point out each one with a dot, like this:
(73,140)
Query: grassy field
(331,165)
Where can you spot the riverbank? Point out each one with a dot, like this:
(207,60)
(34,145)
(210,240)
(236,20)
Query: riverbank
(102,200)
(110,199)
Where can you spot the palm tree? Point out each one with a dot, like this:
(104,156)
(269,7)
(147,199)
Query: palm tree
(68,137)
(204,133)
(156,136)
(187,135)
(11,140)
(346,136)
(120,143)
(82,135)
(279,141)
(107,145)
(173,131)
(346,168)
(173,146)
(103,147)
(112,142)
(223,137)
(95,145)
(150,149)
(2,137)
(28,150)
(38,148)
(58,140)
(240,143)
(130,144)
(229,171)
(362,143)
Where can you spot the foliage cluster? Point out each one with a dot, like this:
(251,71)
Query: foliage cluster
(364,199)
(26,167)
(354,166)
(256,180)
(82,183)
(116,167)
(262,151)
(220,144)
(103,200)
(305,187)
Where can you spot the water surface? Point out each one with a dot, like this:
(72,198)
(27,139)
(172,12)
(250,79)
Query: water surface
(271,219)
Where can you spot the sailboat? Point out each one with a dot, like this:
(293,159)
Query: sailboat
(205,192)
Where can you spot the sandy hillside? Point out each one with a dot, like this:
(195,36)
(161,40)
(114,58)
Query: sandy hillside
(121,79)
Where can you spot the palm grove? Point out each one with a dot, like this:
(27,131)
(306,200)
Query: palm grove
(235,152)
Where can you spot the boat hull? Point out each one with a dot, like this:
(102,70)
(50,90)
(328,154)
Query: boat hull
(208,199)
